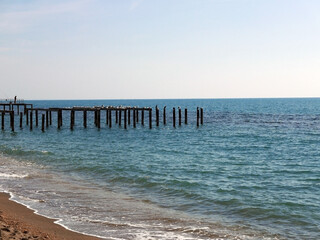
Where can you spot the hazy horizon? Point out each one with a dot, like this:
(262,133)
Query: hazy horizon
(138,49)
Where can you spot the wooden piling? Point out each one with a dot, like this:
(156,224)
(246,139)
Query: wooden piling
(164,115)
(27,116)
(95,117)
(21,116)
(142,117)
(120,111)
(50,117)
(185,116)
(125,118)
(129,116)
(107,117)
(37,120)
(197,116)
(137,115)
(150,118)
(71,119)
(12,120)
(174,117)
(85,118)
(134,118)
(98,118)
(179,116)
(110,118)
(157,116)
(31,121)
(201,114)
(42,125)
(2,120)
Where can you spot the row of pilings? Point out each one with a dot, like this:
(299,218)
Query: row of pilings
(122,116)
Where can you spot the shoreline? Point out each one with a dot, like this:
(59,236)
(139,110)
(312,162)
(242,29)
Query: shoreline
(19,222)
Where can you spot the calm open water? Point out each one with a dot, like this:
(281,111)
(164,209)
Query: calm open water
(252,171)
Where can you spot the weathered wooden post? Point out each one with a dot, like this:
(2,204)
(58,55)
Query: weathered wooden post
(85,118)
(157,116)
(197,116)
(186,116)
(95,117)
(179,116)
(50,116)
(201,110)
(110,118)
(137,115)
(31,121)
(27,116)
(129,116)
(61,119)
(134,118)
(58,119)
(99,118)
(71,119)
(47,118)
(174,117)
(24,109)
(120,117)
(150,118)
(142,117)
(37,120)
(164,115)
(42,125)
(21,116)
(107,117)
(125,118)
(2,120)
(12,120)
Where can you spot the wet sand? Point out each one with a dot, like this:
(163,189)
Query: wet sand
(19,222)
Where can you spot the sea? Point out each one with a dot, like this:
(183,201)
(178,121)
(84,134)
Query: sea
(251,171)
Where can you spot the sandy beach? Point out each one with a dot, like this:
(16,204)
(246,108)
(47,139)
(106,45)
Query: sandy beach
(19,222)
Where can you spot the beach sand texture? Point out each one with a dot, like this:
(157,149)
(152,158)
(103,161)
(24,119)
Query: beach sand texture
(19,222)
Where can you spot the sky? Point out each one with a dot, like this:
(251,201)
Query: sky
(151,49)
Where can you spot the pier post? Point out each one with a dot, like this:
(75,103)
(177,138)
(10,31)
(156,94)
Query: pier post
(129,116)
(85,118)
(185,116)
(134,118)
(174,117)
(47,118)
(125,118)
(24,109)
(150,118)
(98,118)
(157,116)
(37,120)
(95,117)
(137,115)
(12,120)
(27,116)
(71,119)
(42,125)
(164,115)
(197,116)
(2,120)
(179,116)
(142,117)
(201,111)
(31,120)
(120,111)
(50,116)
(21,116)
(110,118)
(61,119)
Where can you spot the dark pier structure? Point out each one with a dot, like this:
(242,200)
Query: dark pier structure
(117,115)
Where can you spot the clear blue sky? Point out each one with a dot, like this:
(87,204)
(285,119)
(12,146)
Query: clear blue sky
(91,49)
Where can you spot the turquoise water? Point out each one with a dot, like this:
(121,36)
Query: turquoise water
(252,171)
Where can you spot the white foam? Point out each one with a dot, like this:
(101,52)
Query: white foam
(12,175)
